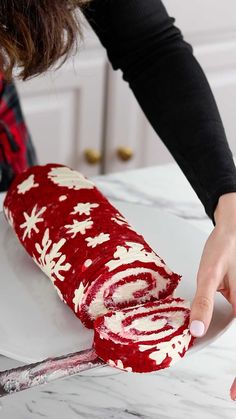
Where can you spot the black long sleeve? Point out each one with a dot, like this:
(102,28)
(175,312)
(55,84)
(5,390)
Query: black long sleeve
(171,88)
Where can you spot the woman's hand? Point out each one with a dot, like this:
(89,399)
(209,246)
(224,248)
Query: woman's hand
(217,270)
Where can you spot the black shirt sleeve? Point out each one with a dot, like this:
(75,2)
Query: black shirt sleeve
(171,88)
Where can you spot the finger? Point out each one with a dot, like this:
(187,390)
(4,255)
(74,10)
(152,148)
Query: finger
(203,304)
(201,312)
(233,390)
(210,275)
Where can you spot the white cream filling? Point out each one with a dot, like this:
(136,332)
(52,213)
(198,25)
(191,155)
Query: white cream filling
(128,290)
(97,306)
(174,319)
(146,324)
(116,319)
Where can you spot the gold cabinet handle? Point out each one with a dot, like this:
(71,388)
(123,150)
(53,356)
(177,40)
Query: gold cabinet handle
(92,156)
(125,153)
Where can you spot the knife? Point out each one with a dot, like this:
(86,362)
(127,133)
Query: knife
(48,370)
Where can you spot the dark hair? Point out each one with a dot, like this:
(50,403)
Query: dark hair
(34,34)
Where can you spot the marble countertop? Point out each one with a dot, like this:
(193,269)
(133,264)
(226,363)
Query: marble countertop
(196,387)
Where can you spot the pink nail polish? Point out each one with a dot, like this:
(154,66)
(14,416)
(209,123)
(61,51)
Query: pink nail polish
(197,328)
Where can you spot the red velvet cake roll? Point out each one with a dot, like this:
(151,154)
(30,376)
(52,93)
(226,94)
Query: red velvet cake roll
(94,258)
(145,338)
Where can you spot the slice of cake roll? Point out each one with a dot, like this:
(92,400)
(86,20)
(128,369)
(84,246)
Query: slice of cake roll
(145,338)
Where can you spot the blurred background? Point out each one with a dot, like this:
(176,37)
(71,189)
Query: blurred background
(85,116)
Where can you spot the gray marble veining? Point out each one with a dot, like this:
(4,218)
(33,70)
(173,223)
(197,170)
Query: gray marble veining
(196,387)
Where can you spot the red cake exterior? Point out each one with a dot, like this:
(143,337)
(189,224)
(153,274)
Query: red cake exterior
(94,258)
(145,338)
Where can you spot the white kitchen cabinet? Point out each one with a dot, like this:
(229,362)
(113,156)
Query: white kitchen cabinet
(64,111)
(210,26)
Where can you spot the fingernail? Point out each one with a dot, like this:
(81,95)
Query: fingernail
(197,328)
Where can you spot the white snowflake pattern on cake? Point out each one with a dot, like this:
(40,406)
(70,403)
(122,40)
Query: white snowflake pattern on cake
(88,263)
(173,350)
(64,176)
(94,241)
(79,227)
(51,260)
(62,198)
(9,217)
(31,221)
(119,364)
(120,220)
(84,208)
(135,252)
(27,185)
(78,295)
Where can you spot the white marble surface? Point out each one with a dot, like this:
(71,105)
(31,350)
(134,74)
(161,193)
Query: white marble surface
(196,387)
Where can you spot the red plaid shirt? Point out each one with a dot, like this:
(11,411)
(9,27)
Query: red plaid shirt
(16,150)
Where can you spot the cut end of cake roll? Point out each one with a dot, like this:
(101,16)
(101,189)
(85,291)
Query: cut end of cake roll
(133,275)
(144,338)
